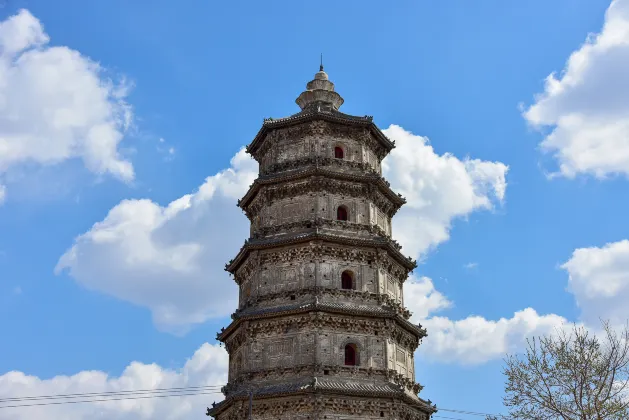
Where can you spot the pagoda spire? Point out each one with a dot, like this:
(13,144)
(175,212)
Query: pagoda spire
(319,94)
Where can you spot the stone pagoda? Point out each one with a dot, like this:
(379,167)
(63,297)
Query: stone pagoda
(321,331)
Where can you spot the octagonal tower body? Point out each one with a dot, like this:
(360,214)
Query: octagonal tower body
(321,331)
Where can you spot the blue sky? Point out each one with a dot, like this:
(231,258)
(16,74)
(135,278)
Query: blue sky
(180,88)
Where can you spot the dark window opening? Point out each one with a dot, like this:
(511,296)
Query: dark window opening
(292,297)
(326,372)
(338,152)
(346,281)
(350,355)
(341,213)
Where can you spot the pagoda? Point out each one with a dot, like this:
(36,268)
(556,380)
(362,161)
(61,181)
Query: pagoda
(321,331)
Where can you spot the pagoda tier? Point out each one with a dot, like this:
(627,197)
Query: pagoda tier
(312,175)
(321,330)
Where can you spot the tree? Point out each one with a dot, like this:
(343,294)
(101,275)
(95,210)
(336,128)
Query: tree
(570,376)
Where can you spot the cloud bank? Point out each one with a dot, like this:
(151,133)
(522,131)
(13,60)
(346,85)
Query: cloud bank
(206,368)
(585,107)
(57,104)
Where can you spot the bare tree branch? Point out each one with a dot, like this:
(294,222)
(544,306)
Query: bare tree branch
(570,376)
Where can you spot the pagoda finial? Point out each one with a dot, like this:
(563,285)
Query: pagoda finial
(319,94)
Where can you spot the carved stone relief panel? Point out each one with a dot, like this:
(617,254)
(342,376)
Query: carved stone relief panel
(370,157)
(391,289)
(276,351)
(326,348)
(283,273)
(382,280)
(269,195)
(331,347)
(400,359)
(319,139)
(257,353)
(235,364)
(294,340)
(370,281)
(382,221)
(279,278)
(390,285)
(339,254)
(245,291)
(307,350)
(292,149)
(287,210)
(358,208)
(325,274)
(280,352)
(377,352)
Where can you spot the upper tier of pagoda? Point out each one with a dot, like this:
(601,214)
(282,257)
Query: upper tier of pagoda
(319,102)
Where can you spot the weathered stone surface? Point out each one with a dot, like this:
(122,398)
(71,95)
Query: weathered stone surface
(313,287)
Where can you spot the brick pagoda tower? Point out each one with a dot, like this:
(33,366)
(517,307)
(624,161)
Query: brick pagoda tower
(321,331)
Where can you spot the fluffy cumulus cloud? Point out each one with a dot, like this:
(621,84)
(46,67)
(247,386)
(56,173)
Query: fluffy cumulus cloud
(586,106)
(422,299)
(206,370)
(599,280)
(472,340)
(475,340)
(438,188)
(56,104)
(170,258)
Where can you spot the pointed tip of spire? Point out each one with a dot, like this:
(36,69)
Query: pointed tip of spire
(321,65)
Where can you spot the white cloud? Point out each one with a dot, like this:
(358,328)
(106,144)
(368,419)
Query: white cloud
(438,188)
(56,104)
(472,340)
(599,280)
(169,259)
(422,299)
(471,265)
(475,340)
(207,367)
(586,106)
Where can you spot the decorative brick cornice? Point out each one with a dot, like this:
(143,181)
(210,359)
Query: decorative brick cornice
(301,226)
(336,117)
(377,313)
(355,296)
(319,394)
(386,244)
(318,176)
(329,162)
